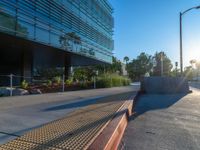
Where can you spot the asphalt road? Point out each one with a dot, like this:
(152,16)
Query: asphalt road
(23,113)
(165,122)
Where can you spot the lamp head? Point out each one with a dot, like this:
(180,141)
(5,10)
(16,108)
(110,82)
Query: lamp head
(198,7)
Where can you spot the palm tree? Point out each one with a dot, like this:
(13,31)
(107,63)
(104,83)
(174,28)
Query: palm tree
(126,59)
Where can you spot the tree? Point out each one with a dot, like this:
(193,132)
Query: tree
(175,73)
(192,62)
(197,65)
(126,59)
(140,66)
(167,65)
(188,72)
(83,73)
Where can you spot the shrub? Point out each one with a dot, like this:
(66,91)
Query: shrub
(83,84)
(103,82)
(106,81)
(69,82)
(49,83)
(57,80)
(24,84)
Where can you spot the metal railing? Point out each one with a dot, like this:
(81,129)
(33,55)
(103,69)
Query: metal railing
(12,82)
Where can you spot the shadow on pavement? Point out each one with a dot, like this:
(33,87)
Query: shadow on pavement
(77,104)
(73,105)
(149,102)
(55,142)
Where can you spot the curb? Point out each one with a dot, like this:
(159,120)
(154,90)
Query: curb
(110,137)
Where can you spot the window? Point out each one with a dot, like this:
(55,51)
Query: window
(25,29)
(7,21)
(42,35)
(55,39)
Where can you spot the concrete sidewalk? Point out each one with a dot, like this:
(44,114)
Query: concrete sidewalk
(77,130)
(21,114)
(165,122)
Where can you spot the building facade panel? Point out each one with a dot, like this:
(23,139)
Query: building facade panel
(84,27)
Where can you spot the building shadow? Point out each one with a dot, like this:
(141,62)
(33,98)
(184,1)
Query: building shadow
(150,102)
(72,105)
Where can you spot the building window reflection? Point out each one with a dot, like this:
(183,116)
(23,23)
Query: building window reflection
(47,21)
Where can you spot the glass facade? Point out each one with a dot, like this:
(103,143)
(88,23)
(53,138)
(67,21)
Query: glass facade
(79,26)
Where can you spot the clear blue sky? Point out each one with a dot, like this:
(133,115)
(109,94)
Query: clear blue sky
(153,25)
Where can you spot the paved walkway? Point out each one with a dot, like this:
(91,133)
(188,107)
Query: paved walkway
(165,122)
(76,130)
(21,114)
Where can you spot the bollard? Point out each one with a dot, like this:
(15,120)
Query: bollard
(11,84)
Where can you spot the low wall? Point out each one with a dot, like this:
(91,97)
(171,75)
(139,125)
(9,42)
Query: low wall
(164,85)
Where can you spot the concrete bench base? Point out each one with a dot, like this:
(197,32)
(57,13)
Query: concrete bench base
(164,85)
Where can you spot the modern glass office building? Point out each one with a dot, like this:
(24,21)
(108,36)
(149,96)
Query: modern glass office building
(76,30)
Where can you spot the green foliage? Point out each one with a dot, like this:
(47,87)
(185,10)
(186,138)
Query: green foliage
(193,71)
(83,74)
(115,67)
(57,80)
(167,65)
(140,66)
(126,59)
(24,84)
(143,64)
(49,83)
(69,82)
(188,72)
(175,73)
(84,84)
(107,80)
(48,73)
(103,82)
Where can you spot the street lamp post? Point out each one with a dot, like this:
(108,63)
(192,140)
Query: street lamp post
(181,50)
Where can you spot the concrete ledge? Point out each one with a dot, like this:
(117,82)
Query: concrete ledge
(110,137)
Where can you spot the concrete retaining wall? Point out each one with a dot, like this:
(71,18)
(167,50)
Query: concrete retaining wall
(164,85)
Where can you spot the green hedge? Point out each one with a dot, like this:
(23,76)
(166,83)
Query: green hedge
(106,81)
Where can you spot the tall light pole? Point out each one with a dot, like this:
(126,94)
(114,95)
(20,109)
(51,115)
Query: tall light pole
(181,50)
